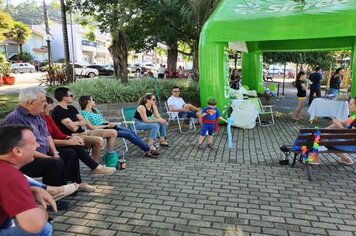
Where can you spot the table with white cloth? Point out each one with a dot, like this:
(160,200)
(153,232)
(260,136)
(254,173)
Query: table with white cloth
(328,108)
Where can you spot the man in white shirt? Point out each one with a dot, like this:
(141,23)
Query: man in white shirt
(184,110)
(161,71)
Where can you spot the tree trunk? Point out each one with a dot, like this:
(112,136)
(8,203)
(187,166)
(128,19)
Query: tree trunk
(21,51)
(172,57)
(68,68)
(119,54)
(196,59)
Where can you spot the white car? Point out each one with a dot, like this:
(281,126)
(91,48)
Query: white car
(81,70)
(273,71)
(22,68)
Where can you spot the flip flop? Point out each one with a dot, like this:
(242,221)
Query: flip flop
(346,163)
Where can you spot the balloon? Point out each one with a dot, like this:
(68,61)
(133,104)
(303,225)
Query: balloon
(230,121)
(260,89)
(272,87)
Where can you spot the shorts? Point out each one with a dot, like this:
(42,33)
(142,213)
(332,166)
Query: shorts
(301,98)
(91,137)
(207,127)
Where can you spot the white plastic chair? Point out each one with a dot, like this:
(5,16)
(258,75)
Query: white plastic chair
(262,110)
(173,116)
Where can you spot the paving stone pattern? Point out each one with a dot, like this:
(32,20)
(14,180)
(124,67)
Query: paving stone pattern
(222,192)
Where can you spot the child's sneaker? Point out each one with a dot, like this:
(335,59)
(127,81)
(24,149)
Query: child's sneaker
(210,145)
(200,146)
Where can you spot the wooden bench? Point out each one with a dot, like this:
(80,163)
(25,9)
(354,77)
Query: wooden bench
(328,138)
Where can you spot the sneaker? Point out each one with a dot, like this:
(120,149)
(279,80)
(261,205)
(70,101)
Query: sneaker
(87,187)
(210,145)
(103,170)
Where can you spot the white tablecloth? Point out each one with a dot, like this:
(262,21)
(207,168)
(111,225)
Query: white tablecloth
(328,108)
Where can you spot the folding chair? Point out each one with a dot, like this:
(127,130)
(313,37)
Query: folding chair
(173,116)
(262,110)
(127,115)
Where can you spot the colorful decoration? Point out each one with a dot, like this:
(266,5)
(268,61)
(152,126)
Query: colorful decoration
(314,149)
(350,121)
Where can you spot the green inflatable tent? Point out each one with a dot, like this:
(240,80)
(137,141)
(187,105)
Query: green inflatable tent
(257,26)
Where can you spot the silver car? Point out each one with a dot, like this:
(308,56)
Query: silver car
(22,68)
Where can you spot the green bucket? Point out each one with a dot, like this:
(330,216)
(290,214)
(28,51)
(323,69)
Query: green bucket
(111,159)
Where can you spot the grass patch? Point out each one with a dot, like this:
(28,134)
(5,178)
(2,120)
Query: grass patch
(8,102)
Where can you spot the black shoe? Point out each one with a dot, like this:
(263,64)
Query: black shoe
(61,205)
(210,145)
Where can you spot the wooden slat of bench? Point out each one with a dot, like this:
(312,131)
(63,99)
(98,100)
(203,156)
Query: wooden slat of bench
(342,131)
(330,150)
(329,136)
(328,143)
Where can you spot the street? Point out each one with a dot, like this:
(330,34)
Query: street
(22,81)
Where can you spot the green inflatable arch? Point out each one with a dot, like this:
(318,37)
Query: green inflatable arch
(258,26)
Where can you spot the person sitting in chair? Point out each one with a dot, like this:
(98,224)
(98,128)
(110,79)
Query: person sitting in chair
(177,104)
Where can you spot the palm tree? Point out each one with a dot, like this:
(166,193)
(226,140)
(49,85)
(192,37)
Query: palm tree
(69,71)
(19,33)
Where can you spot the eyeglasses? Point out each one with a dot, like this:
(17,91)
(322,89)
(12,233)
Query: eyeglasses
(176,91)
(70,95)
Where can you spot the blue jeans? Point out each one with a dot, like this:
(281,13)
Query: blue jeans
(7,230)
(334,91)
(35,183)
(188,114)
(154,127)
(132,137)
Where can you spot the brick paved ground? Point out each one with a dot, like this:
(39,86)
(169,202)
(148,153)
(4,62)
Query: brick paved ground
(242,191)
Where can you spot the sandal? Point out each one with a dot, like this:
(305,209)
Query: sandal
(164,144)
(210,145)
(345,162)
(68,190)
(200,146)
(152,154)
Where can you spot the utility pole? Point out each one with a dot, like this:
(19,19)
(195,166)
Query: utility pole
(48,35)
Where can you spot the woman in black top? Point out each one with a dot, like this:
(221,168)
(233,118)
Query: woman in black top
(147,107)
(302,93)
(335,82)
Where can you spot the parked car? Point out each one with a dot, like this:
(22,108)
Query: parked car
(102,69)
(278,71)
(81,70)
(22,68)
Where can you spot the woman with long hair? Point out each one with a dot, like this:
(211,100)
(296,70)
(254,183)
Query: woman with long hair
(93,115)
(301,94)
(147,108)
(335,81)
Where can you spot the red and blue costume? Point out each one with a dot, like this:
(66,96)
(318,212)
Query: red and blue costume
(210,121)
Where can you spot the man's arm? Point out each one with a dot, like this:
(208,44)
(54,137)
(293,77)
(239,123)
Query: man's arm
(33,220)
(73,125)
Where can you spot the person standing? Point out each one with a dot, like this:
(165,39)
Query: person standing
(161,71)
(302,93)
(335,82)
(315,79)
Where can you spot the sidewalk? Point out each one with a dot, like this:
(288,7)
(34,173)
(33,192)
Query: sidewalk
(242,191)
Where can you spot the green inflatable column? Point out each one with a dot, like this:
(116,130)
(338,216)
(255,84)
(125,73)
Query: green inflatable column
(214,75)
(353,69)
(252,65)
